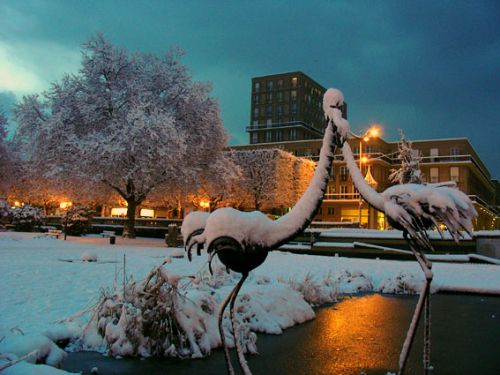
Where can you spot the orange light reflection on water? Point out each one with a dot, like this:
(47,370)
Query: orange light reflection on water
(357,336)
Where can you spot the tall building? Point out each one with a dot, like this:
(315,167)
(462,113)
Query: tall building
(286,107)
(287,114)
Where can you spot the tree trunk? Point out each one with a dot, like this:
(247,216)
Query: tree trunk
(129,227)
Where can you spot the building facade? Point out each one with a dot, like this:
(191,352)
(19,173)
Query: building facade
(286,107)
(442,159)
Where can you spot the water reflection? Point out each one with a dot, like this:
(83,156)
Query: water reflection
(359,334)
(363,333)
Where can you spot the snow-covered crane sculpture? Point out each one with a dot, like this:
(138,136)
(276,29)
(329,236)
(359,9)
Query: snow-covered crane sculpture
(242,240)
(413,208)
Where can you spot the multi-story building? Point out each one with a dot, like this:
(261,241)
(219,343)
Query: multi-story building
(442,159)
(286,107)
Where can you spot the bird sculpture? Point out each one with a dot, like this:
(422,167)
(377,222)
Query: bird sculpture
(242,240)
(414,208)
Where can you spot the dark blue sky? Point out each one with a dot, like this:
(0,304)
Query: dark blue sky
(431,68)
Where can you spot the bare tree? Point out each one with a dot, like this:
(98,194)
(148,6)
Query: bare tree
(409,171)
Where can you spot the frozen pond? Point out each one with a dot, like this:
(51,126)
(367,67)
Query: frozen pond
(362,333)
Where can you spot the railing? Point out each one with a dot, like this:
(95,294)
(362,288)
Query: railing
(119,222)
(342,196)
(283,125)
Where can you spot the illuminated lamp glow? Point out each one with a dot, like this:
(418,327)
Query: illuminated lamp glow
(65,205)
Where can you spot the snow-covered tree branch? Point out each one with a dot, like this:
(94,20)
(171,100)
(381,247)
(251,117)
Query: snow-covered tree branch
(132,122)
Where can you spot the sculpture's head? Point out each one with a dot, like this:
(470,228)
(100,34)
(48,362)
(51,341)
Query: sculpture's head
(333,101)
(192,229)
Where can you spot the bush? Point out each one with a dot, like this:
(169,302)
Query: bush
(25,218)
(77,220)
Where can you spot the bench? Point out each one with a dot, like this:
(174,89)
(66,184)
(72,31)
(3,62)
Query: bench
(54,233)
(108,233)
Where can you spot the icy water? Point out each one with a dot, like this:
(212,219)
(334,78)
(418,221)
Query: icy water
(362,333)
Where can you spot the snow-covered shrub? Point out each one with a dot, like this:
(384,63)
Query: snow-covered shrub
(4,211)
(151,318)
(25,218)
(316,292)
(88,256)
(354,282)
(77,220)
(46,351)
(401,284)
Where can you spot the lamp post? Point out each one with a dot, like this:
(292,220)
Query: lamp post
(373,132)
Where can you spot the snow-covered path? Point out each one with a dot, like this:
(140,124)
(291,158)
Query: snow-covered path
(38,287)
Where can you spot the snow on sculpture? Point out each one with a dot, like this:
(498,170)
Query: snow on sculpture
(242,240)
(413,208)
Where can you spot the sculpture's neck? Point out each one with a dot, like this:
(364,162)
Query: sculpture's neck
(300,216)
(367,192)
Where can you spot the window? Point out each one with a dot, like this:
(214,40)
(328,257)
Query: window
(294,82)
(280,83)
(434,175)
(255,137)
(269,97)
(293,134)
(343,192)
(256,112)
(454,174)
(332,171)
(454,152)
(294,107)
(256,87)
(255,122)
(330,189)
(269,110)
(293,95)
(256,99)
(279,136)
(280,96)
(269,85)
(269,122)
(331,210)
(343,173)
(269,136)
(434,154)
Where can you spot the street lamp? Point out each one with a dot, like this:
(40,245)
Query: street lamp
(373,132)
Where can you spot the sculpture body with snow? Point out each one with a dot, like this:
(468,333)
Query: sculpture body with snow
(414,208)
(242,240)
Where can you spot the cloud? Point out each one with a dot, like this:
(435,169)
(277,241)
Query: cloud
(29,68)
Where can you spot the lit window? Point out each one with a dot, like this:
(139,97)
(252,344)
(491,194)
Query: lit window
(454,174)
(294,82)
(119,211)
(343,192)
(343,173)
(269,85)
(293,95)
(434,174)
(146,212)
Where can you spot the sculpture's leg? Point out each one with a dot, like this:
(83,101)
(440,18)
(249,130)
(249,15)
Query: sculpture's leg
(423,300)
(241,357)
(227,357)
(427,318)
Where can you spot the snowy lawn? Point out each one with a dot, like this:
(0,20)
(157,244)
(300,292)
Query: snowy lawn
(43,280)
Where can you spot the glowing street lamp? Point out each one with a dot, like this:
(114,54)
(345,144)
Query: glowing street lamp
(204,204)
(372,132)
(65,205)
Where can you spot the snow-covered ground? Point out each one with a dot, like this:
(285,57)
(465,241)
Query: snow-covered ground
(43,280)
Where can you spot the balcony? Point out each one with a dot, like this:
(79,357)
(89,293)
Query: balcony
(284,125)
(342,197)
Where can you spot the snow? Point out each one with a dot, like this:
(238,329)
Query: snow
(38,289)
(88,256)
